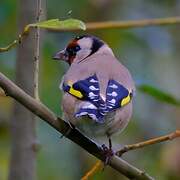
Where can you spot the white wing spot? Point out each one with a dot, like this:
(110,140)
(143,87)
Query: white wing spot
(114,94)
(81,114)
(92,95)
(110,107)
(93,81)
(89,106)
(113,86)
(93,88)
(113,101)
(102,113)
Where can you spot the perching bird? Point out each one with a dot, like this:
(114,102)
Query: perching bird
(98,89)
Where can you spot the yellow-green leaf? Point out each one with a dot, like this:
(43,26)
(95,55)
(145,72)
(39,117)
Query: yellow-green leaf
(56,24)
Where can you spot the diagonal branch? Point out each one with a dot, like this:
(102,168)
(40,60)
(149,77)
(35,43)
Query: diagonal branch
(127,148)
(47,115)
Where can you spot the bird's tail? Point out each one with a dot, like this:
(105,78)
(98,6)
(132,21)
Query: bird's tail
(92,111)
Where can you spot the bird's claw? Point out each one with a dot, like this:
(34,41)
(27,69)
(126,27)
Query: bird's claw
(108,152)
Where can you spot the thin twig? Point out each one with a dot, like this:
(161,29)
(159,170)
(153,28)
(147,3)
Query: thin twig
(104,25)
(127,148)
(133,24)
(98,166)
(128,24)
(8,47)
(61,126)
(16,41)
(37,52)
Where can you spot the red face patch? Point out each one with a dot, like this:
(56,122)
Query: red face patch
(72,49)
(71,59)
(72,44)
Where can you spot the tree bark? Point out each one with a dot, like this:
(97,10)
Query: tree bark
(23,155)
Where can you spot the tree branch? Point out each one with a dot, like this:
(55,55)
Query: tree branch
(15,42)
(127,148)
(97,167)
(37,52)
(103,25)
(127,24)
(47,115)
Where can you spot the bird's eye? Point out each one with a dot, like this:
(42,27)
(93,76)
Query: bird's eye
(71,51)
(77,48)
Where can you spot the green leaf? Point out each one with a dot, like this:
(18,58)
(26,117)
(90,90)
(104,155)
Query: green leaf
(56,24)
(159,95)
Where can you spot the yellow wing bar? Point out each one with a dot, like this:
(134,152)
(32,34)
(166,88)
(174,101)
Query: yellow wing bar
(126,100)
(74,92)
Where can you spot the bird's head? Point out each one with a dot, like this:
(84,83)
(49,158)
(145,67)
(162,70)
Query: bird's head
(80,48)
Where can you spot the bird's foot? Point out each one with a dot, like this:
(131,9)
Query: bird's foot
(108,152)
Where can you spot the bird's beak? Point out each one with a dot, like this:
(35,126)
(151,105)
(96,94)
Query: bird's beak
(61,55)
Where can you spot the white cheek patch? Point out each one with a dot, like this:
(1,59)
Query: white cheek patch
(85,43)
(82,54)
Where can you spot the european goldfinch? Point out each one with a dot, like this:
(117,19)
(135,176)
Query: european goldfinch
(98,89)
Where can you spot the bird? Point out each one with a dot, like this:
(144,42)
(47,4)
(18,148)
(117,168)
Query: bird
(98,88)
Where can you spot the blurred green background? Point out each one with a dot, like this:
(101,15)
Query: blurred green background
(152,56)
